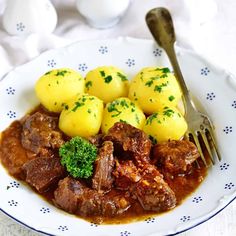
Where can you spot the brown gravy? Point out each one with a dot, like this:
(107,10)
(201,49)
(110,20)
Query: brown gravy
(181,185)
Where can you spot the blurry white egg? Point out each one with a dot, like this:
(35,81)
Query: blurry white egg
(29,16)
(102,13)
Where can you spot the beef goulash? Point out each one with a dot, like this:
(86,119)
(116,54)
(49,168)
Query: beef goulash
(132,178)
(103,149)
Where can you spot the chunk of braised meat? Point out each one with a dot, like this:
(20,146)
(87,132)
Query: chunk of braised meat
(74,197)
(43,173)
(104,165)
(12,154)
(153,192)
(131,140)
(174,156)
(126,174)
(106,205)
(146,184)
(68,194)
(96,140)
(40,134)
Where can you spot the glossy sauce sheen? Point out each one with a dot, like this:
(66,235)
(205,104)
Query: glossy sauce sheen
(181,185)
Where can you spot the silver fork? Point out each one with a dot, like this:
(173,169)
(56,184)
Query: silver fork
(161,26)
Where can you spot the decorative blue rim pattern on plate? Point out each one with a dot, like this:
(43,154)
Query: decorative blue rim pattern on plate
(38,231)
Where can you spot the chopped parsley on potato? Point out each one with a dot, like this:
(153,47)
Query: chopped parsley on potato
(122,110)
(58,86)
(154,92)
(81,116)
(154,88)
(165,124)
(106,83)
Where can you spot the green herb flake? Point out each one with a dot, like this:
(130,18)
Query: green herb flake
(154,141)
(112,108)
(171,98)
(77,105)
(163,76)
(155,78)
(165,70)
(134,94)
(91,98)
(117,114)
(149,83)
(57,82)
(88,84)
(102,73)
(49,85)
(89,111)
(8,187)
(124,121)
(48,73)
(151,118)
(132,110)
(137,118)
(168,112)
(62,73)
(65,106)
(122,77)
(108,79)
(123,103)
(158,88)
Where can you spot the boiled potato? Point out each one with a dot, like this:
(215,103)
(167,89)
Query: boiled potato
(166,124)
(154,88)
(58,86)
(106,83)
(82,116)
(122,110)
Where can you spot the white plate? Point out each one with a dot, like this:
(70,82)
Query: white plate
(211,86)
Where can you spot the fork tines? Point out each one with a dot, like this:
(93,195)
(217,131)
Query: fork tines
(206,145)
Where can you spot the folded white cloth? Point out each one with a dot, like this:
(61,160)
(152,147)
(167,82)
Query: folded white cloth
(201,25)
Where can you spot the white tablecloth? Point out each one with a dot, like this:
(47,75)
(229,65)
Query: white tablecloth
(215,39)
